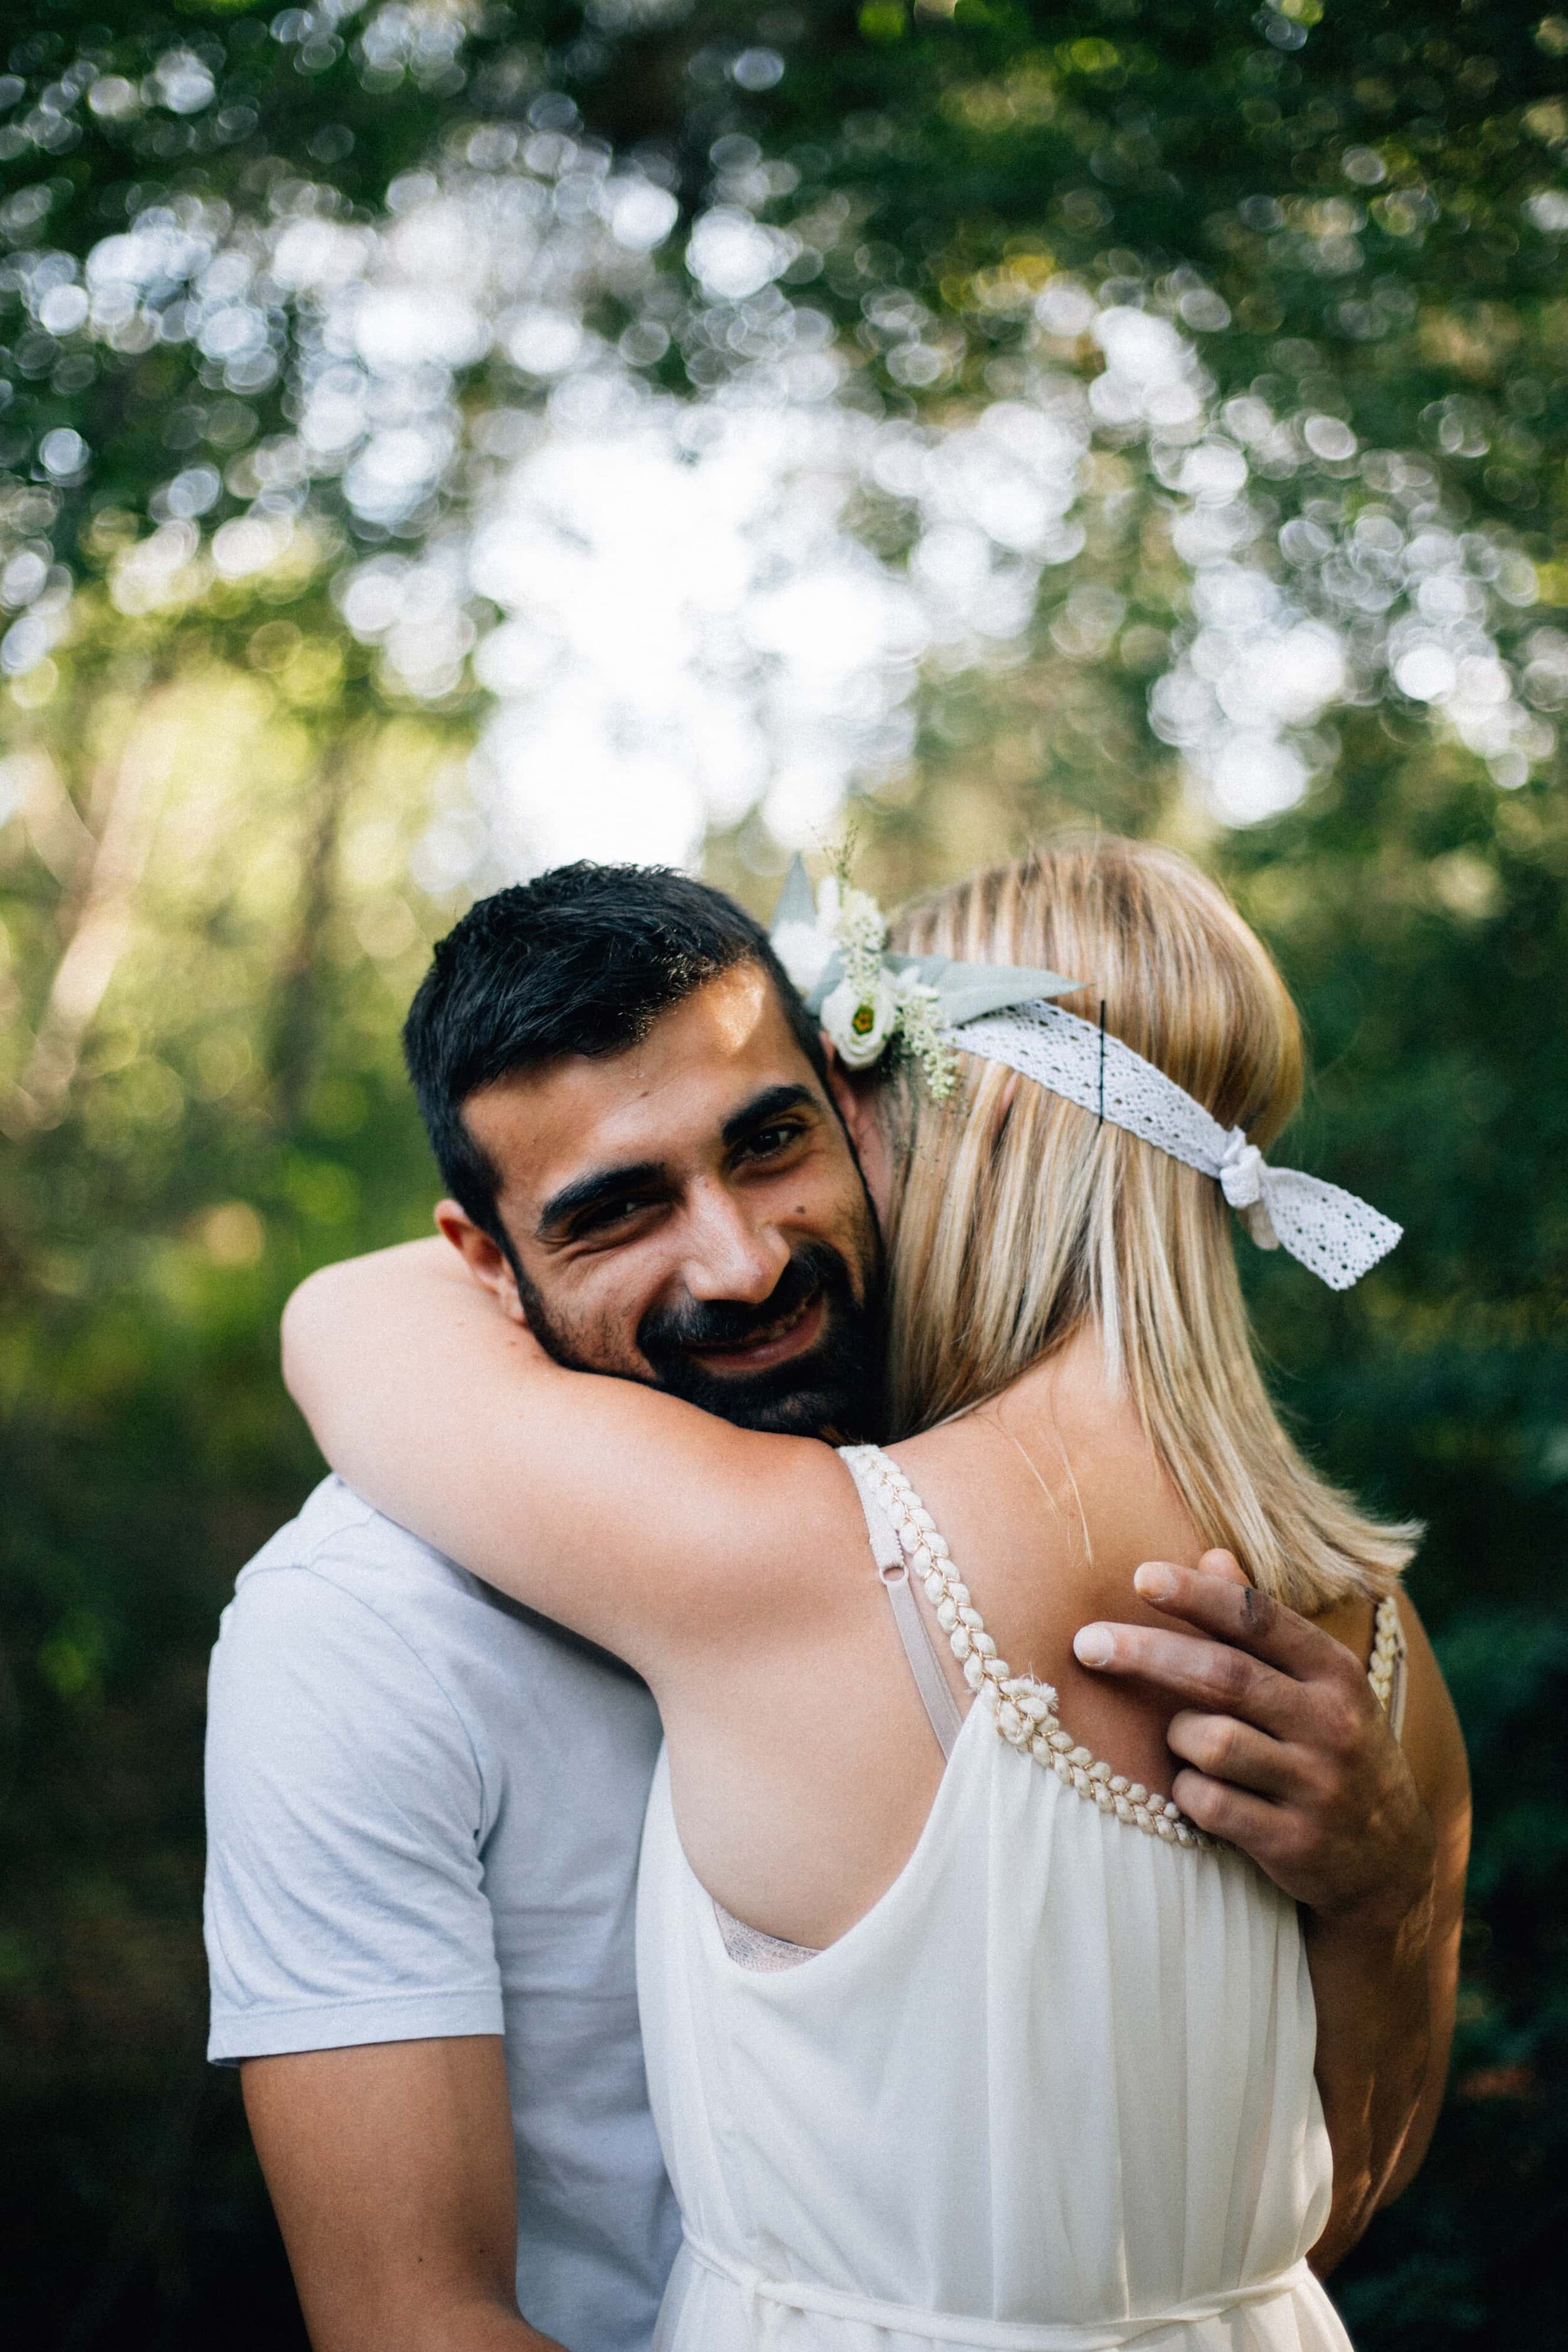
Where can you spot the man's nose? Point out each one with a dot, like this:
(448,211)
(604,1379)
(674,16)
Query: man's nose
(729,1255)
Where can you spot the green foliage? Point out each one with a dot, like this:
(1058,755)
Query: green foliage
(211,799)
(1369,197)
(146,1452)
(1422,919)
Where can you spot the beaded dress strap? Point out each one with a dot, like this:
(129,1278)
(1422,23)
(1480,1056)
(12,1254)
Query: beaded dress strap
(1388,1671)
(1024,1710)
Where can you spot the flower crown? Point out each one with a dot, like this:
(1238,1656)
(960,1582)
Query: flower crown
(867,1000)
(835,949)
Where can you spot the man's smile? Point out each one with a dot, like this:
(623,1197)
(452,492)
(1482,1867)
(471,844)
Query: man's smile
(791,1334)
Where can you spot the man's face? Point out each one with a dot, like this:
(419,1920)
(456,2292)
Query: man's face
(689,1214)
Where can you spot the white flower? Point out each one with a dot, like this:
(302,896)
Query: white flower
(928,1044)
(805,951)
(860,1020)
(853,916)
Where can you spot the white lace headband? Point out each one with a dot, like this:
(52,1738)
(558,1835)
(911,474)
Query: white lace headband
(1338,1236)
(835,952)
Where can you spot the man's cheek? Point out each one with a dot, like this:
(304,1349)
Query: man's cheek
(603,1326)
(828,1216)
(855,1240)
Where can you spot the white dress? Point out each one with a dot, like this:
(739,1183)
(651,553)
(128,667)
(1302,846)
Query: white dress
(1053,2092)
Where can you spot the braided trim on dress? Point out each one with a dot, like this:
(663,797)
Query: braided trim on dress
(1032,1705)
(1025,1711)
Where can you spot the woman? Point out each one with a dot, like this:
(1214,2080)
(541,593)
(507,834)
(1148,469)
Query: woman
(1006,2053)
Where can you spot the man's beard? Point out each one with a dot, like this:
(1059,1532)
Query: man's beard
(832,1390)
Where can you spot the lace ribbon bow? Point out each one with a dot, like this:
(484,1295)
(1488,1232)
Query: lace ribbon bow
(1243,1172)
(1339,1236)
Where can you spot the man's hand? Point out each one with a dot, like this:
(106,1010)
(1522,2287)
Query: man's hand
(1285,1754)
(392,2170)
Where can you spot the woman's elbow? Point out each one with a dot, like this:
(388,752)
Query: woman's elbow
(311,1319)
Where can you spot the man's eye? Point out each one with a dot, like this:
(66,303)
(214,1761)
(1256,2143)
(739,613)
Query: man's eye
(768,1140)
(608,1215)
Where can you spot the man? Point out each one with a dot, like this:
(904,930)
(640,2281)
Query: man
(425,1802)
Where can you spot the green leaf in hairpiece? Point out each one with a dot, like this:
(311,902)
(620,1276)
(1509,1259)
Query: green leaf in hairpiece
(968,992)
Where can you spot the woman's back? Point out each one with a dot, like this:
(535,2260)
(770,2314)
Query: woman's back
(1054,1490)
(1054,2087)
(801,1799)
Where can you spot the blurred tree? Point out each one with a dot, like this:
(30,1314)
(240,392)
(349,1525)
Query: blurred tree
(1357,214)
(1418,911)
(205,894)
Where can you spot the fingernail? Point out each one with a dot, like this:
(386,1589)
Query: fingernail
(1154,1583)
(1092,1645)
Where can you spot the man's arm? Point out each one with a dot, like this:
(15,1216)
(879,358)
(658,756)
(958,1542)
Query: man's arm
(391,2170)
(1287,1756)
(1434,1747)
(353,1952)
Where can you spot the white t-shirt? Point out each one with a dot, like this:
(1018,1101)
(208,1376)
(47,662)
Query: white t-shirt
(423,1809)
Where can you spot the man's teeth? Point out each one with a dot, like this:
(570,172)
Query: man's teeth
(779,1330)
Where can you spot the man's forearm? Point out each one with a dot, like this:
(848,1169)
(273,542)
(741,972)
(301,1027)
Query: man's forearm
(463,2327)
(409,2319)
(391,2170)
(1370,1983)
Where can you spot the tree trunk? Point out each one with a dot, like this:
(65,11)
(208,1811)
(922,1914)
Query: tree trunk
(296,1030)
(98,924)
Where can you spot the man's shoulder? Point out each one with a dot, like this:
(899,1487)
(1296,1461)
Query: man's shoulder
(334,1527)
(356,1666)
(339,1550)
(339,1610)
(342,1574)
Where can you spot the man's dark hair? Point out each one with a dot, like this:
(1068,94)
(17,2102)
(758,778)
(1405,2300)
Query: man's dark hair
(581,961)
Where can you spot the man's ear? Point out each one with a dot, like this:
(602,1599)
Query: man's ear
(484,1258)
(857,1096)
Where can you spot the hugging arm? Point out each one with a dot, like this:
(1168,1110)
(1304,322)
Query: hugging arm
(623,1513)
(1434,1747)
(1385,1961)
(1286,1753)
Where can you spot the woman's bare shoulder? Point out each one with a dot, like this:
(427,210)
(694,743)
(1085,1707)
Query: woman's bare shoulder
(1059,1472)
(1350,1624)
(1049,1517)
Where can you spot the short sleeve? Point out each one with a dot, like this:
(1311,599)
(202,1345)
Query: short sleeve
(346,1810)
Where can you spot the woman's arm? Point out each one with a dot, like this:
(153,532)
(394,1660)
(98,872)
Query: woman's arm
(626,1514)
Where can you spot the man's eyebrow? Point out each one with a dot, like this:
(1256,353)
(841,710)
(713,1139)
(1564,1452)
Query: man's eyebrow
(644,1175)
(772,1103)
(589,1192)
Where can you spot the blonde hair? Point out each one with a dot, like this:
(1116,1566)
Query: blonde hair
(1017,1217)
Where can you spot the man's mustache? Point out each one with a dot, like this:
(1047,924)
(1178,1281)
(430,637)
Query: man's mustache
(694,1327)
